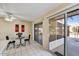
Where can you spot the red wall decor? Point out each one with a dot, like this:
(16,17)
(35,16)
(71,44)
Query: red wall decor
(22,28)
(16,28)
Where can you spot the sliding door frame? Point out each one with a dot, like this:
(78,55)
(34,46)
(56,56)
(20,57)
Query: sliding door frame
(65,34)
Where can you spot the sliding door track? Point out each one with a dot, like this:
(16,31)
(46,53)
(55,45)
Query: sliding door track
(58,54)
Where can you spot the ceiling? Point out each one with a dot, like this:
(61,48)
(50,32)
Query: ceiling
(27,11)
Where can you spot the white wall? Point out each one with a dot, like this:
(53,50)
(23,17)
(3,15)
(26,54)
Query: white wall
(8,28)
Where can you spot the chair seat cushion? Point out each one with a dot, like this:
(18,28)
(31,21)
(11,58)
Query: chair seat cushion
(11,42)
(26,39)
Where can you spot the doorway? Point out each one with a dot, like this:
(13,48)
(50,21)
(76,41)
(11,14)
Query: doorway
(38,32)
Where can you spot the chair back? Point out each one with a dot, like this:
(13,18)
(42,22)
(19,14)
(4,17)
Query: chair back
(7,37)
(29,37)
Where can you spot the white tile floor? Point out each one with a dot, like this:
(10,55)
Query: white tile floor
(32,49)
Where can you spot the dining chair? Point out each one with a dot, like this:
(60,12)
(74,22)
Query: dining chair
(28,39)
(10,42)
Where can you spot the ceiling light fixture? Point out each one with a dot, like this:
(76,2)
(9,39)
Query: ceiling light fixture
(9,17)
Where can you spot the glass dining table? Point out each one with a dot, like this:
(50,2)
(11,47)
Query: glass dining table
(20,38)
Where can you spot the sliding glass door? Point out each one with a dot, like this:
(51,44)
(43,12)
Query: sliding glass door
(64,34)
(38,33)
(56,40)
(60,35)
(73,31)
